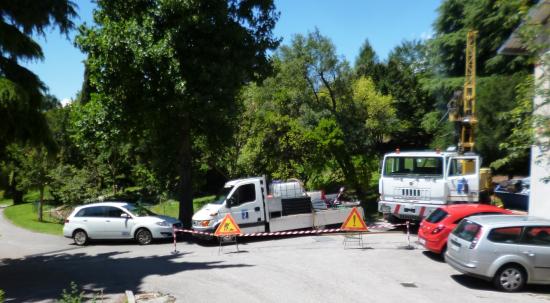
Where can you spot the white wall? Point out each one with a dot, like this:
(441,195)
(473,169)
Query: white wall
(539,198)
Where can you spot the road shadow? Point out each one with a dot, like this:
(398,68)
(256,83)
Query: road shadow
(433,256)
(43,277)
(480,284)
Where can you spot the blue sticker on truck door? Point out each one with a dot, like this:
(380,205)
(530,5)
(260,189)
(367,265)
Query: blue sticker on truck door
(244,214)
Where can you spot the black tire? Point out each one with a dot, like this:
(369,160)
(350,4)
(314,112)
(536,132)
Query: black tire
(144,236)
(393,219)
(80,237)
(442,253)
(510,278)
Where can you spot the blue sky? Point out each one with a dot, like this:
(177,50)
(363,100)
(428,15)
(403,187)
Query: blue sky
(347,22)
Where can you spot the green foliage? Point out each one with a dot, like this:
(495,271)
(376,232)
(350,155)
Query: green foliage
(1,296)
(21,91)
(494,20)
(73,186)
(162,66)
(314,119)
(74,295)
(516,147)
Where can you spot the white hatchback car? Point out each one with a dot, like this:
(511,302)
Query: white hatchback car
(117,220)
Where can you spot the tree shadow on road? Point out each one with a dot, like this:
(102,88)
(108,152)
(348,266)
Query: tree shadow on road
(479,284)
(43,277)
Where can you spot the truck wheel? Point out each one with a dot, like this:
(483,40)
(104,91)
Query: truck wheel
(393,219)
(510,278)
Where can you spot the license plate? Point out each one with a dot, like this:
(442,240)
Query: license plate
(422,241)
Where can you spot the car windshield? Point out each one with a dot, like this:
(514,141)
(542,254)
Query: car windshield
(138,210)
(222,195)
(415,166)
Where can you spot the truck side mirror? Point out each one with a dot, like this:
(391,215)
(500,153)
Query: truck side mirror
(230,201)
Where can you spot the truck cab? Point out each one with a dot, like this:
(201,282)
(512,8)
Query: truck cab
(413,184)
(243,199)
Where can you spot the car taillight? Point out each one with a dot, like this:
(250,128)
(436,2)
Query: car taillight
(438,229)
(474,242)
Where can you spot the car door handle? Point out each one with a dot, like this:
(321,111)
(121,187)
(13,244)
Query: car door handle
(107,220)
(528,253)
(257,208)
(85,220)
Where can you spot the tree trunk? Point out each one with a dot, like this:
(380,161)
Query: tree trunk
(184,190)
(41,204)
(17,195)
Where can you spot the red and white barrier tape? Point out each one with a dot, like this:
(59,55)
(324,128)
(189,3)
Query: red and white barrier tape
(383,226)
(279,233)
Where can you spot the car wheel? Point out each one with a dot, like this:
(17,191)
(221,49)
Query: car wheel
(144,236)
(80,237)
(510,278)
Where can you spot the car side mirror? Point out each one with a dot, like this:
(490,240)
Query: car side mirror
(125,216)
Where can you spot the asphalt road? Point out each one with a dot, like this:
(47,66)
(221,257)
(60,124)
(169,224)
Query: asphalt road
(36,267)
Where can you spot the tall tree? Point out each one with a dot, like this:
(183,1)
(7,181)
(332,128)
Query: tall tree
(173,69)
(406,66)
(21,91)
(314,115)
(493,19)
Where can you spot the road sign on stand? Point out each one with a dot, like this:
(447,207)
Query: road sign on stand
(354,222)
(356,225)
(227,227)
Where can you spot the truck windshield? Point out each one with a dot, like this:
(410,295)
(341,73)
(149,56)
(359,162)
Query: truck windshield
(222,195)
(415,166)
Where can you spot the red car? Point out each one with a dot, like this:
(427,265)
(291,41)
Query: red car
(435,228)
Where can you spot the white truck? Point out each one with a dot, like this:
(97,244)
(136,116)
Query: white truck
(286,206)
(413,184)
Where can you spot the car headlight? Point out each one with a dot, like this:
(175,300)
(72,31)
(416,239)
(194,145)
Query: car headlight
(162,223)
(205,223)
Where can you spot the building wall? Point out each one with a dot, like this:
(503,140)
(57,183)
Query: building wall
(539,198)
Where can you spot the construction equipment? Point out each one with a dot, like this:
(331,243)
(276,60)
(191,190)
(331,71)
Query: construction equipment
(463,108)
(413,184)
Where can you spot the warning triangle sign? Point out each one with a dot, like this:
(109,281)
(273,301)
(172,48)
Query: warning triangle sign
(354,222)
(227,227)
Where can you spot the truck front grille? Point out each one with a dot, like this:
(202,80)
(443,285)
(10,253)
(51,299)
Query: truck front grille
(412,193)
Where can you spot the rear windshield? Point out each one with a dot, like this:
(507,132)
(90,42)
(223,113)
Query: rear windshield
(467,230)
(436,217)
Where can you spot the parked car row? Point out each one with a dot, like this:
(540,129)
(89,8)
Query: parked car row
(490,243)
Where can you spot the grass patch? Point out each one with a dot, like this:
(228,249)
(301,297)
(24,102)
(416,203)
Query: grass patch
(171,207)
(26,216)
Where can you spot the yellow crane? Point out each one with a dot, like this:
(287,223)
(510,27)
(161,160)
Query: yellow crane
(463,111)
(463,108)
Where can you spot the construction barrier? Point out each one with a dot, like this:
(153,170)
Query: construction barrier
(375,227)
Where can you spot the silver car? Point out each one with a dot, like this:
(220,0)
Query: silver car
(117,220)
(508,250)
